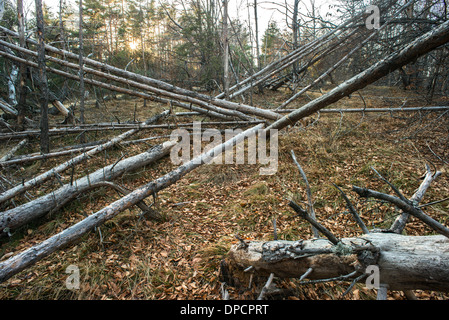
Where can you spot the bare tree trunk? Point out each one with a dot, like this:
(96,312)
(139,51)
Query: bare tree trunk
(256,22)
(81,69)
(295,26)
(208,109)
(10,154)
(22,69)
(37,208)
(226,50)
(157,86)
(63,39)
(405,262)
(44,138)
(30,256)
(26,185)
(422,45)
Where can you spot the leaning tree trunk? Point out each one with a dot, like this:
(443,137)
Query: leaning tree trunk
(422,45)
(211,109)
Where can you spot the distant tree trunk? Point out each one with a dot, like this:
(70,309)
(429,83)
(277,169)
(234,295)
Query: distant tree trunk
(225,49)
(295,26)
(62,32)
(257,36)
(44,139)
(22,68)
(13,75)
(81,70)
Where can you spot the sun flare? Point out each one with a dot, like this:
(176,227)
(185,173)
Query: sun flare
(133,45)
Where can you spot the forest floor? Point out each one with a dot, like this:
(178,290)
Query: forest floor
(132,257)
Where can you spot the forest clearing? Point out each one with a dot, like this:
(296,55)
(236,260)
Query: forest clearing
(94,188)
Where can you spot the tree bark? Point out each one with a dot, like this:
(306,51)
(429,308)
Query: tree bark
(44,138)
(30,256)
(81,68)
(22,69)
(226,50)
(422,45)
(8,194)
(18,216)
(405,262)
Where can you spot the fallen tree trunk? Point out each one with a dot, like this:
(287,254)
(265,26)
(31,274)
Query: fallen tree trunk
(347,56)
(36,253)
(11,152)
(210,110)
(126,126)
(8,194)
(11,110)
(357,110)
(61,108)
(422,45)
(292,61)
(286,60)
(35,157)
(36,208)
(30,256)
(405,262)
(162,87)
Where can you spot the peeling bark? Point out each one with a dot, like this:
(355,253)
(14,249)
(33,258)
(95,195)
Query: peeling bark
(405,262)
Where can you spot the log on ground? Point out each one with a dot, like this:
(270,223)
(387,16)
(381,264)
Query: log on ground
(36,208)
(405,262)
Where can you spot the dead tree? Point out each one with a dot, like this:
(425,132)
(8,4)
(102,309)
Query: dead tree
(36,181)
(18,216)
(212,109)
(30,256)
(161,85)
(22,68)
(11,152)
(44,138)
(420,46)
(81,68)
(338,63)
(405,262)
(206,108)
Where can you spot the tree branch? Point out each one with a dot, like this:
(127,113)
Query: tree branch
(404,206)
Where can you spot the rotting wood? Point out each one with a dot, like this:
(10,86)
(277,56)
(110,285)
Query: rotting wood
(405,262)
